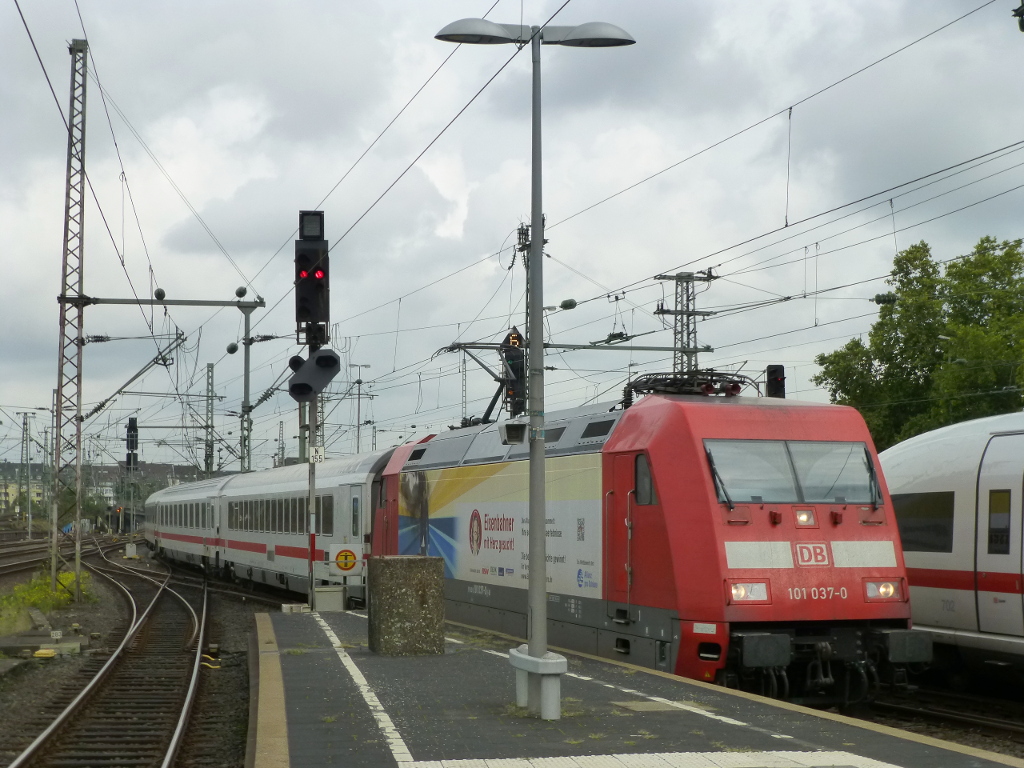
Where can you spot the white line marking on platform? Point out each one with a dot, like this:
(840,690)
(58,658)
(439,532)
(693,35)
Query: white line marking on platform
(631,692)
(673,760)
(393,738)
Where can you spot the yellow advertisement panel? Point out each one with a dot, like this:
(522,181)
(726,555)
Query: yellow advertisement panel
(477,519)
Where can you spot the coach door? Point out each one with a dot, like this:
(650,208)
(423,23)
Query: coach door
(998,583)
(619,502)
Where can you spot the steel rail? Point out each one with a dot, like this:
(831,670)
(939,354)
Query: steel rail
(137,621)
(193,686)
(148,577)
(941,713)
(25,565)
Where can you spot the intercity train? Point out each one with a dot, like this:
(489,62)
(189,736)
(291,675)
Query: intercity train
(958,494)
(744,540)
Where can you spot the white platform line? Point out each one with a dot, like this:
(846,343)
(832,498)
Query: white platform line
(659,699)
(393,738)
(673,760)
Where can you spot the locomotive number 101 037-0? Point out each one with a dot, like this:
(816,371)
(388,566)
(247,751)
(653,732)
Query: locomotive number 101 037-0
(817,593)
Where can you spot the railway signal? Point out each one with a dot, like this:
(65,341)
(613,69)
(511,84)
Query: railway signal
(132,433)
(313,375)
(775,381)
(312,278)
(131,461)
(514,357)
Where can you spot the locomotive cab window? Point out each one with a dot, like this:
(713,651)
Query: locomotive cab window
(999,522)
(792,471)
(644,482)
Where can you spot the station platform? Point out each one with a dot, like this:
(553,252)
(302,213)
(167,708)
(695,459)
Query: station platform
(325,700)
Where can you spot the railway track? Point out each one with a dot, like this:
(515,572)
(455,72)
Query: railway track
(992,716)
(134,708)
(15,560)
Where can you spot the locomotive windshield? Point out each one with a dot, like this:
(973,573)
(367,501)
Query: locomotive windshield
(792,472)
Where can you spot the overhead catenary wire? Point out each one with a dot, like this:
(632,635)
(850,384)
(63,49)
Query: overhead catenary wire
(770,117)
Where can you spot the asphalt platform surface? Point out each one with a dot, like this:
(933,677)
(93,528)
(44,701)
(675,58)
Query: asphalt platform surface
(340,704)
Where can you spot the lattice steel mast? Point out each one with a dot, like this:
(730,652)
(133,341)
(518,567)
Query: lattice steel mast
(67,444)
(685,314)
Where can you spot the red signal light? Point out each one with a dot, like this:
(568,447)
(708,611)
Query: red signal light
(319,274)
(303,274)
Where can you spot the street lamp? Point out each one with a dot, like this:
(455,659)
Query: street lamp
(537,670)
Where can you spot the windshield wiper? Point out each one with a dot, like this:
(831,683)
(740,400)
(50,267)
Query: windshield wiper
(876,489)
(718,479)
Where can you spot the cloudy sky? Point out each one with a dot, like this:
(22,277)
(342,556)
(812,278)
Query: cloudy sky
(229,117)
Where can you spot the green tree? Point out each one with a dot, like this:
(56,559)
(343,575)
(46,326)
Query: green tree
(947,349)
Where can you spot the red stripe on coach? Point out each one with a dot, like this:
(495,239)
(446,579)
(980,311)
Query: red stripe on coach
(1010,583)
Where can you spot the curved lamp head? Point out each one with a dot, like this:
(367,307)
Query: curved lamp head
(597,34)
(478,31)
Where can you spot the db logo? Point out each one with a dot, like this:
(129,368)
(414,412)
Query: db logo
(811,554)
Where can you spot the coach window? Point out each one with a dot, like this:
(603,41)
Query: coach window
(325,515)
(355,515)
(999,522)
(644,483)
(303,514)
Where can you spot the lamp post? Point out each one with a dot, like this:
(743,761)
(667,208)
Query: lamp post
(537,670)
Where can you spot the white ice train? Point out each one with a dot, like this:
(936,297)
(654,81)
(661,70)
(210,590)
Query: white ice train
(958,494)
(252,526)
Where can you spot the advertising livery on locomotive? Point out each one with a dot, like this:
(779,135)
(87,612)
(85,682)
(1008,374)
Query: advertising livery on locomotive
(744,540)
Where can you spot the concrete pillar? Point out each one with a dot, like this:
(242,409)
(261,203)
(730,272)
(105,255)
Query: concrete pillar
(406,605)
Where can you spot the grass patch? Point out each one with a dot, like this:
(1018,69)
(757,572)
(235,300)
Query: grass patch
(37,594)
(295,651)
(328,718)
(574,741)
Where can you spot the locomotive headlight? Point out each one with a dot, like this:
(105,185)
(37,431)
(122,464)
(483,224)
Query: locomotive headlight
(749,591)
(805,517)
(882,590)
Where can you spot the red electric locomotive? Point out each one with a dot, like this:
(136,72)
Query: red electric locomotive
(744,540)
(748,541)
